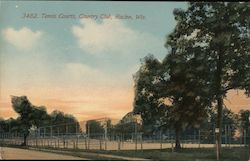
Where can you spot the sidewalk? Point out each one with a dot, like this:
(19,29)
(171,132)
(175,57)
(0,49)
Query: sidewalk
(91,155)
(9,153)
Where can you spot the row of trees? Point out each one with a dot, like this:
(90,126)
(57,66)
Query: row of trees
(61,123)
(96,129)
(208,56)
(31,116)
(234,121)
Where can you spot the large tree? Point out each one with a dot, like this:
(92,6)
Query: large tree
(29,115)
(24,108)
(220,31)
(185,92)
(146,101)
(167,95)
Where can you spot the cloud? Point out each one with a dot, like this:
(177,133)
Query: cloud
(24,39)
(84,74)
(79,70)
(112,37)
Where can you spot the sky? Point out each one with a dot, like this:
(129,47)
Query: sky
(76,63)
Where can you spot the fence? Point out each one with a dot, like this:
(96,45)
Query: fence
(84,135)
(121,141)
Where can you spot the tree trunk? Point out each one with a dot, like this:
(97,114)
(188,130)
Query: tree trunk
(25,136)
(24,140)
(219,99)
(219,121)
(177,138)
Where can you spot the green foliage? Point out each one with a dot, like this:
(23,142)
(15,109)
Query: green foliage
(127,130)
(37,116)
(63,123)
(219,34)
(245,120)
(229,119)
(146,101)
(24,108)
(94,129)
(209,56)
(10,125)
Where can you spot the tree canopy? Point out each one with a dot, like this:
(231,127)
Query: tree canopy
(209,55)
(37,116)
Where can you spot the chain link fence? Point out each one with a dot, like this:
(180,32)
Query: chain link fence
(121,141)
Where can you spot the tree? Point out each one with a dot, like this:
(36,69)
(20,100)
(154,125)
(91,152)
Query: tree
(4,125)
(146,101)
(39,116)
(63,123)
(24,108)
(127,130)
(229,119)
(94,129)
(186,91)
(146,95)
(168,95)
(29,115)
(245,122)
(221,32)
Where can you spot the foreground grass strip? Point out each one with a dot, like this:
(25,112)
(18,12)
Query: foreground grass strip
(188,154)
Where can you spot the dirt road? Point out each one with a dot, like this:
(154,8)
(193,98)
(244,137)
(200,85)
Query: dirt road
(23,154)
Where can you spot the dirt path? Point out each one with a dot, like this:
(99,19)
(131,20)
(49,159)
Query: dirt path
(23,154)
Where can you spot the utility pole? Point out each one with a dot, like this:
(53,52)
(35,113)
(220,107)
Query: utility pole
(217,131)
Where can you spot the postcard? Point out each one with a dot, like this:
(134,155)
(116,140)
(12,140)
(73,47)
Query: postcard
(124,80)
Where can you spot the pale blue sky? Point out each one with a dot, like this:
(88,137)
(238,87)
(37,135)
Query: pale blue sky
(64,55)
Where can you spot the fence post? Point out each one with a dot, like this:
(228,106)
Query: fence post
(136,141)
(100,141)
(86,143)
(105,143)
(141,142)
(51,130)
(245,138)
(36,139)
(119,144)
(172,146)
(160,140)
(76,142)
(230,137)
(63,142)
(199,138)
(58,143)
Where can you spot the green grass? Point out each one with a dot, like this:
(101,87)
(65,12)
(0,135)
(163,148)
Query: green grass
(208,154)
(186,154)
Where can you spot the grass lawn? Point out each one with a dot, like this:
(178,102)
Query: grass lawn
(186,154)
(208,154)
